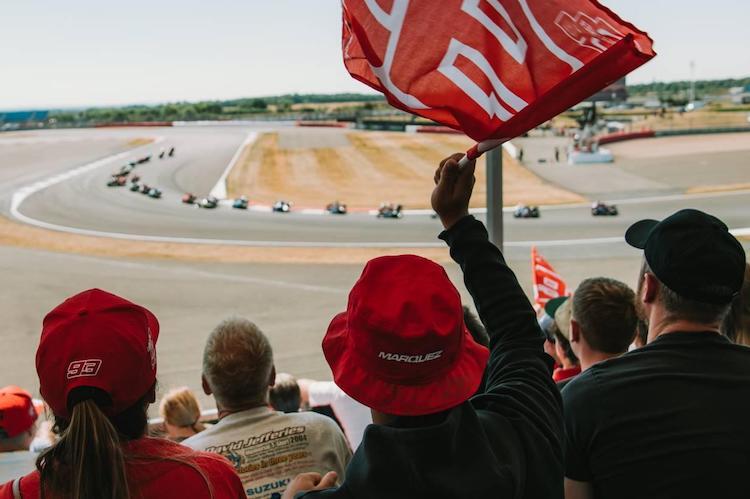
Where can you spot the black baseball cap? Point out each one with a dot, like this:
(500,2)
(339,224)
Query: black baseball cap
(693,254)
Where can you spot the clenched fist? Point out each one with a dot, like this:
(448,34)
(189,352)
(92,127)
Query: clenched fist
(453,188)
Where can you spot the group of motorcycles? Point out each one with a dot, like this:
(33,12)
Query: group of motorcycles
(120,177)
(386,210)
(598,209)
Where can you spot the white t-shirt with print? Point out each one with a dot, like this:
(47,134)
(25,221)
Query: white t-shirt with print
(268,448)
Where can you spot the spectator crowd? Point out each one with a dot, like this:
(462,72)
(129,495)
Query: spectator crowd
(611,393)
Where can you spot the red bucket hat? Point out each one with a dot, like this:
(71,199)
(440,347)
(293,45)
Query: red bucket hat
(402,347)
(96,339)
(17,411)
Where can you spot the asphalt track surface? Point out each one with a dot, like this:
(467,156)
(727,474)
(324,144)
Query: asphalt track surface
(85,204)
(293,303)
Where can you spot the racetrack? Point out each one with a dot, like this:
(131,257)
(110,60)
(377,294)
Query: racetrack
(191,297)
(83,204)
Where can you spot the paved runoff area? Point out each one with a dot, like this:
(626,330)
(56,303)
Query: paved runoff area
(56,208)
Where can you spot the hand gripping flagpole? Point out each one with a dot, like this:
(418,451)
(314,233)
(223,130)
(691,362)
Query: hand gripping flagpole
(479,149)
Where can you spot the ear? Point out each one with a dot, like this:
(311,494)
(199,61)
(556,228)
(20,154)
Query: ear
(206,387)
(272,377)
(559,351)
(575,331)
(650,288)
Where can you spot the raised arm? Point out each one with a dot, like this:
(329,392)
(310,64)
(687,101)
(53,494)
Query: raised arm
(519,373)
(500,301)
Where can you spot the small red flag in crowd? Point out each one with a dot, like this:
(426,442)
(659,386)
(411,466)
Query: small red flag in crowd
(547,283)
(493,69)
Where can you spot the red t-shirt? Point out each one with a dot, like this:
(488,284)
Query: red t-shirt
(154,472)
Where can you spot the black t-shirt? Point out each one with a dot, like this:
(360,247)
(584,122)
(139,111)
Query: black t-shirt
(562,384)
(669,420)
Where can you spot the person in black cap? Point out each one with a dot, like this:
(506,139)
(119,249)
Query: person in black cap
(669,419)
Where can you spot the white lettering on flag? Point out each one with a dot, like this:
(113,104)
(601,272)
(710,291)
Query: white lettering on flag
(555,49)
(593,33)
(516,49)
(394,23)
(488,102)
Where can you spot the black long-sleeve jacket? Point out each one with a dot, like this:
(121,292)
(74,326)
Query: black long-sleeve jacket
(503,443)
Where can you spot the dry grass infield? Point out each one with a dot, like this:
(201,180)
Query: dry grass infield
(373,167)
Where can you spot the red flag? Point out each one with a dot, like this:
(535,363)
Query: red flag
(547,283)
(491,68)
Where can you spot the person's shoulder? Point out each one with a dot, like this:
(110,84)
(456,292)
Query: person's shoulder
(580,389)
(318,422)
(204,438)
(309,418)
(628,361)
(29,485)
(195,441)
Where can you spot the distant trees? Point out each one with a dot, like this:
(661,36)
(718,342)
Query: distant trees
(678,89)
(208,110)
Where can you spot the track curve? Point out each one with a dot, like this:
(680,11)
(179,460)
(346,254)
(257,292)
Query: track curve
(81,203)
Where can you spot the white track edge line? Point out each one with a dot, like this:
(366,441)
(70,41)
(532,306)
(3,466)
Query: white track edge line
(220,189)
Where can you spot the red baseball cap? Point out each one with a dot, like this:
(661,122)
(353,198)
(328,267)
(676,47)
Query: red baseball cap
(99,340)
(17,411)
(402,347)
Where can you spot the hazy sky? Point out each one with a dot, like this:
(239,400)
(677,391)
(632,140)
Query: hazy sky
(91,52)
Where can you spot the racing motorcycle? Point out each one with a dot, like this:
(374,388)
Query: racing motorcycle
(336,208)
(525,211)
(390,211)
(240,203)
(601,209)
(281,206)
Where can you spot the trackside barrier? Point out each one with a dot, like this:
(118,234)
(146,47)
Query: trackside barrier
(431,129)
(134,124)
(702,131)
(324,124)
(254,123)
(622,136)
